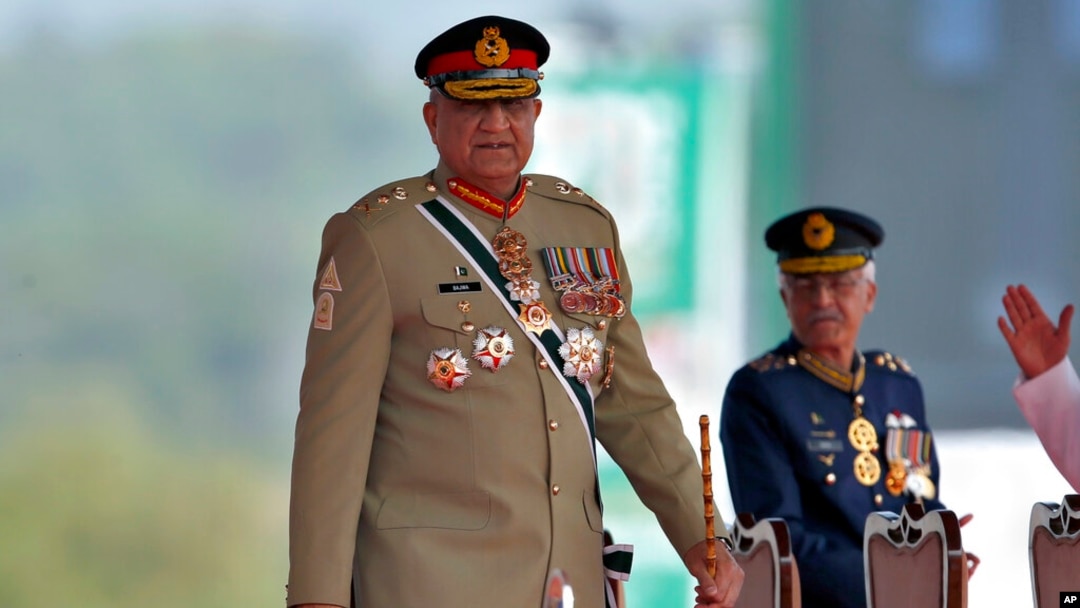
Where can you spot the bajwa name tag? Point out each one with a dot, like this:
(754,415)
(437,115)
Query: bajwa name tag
(463,287)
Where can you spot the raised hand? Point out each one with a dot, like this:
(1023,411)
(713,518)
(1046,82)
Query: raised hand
(1033,339)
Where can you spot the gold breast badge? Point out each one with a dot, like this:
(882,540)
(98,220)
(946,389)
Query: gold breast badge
(863,437)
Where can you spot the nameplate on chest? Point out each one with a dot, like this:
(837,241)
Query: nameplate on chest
(824,445)
(462,287)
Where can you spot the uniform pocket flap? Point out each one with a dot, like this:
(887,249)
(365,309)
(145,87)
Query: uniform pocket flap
(455,511)
(592,511)
(442,311)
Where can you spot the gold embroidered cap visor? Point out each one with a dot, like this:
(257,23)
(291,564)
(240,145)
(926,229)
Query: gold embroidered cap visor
(823,240)
(817,264)
(486,58)
(488,84)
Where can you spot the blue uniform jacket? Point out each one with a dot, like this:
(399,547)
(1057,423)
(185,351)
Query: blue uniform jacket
(784,431)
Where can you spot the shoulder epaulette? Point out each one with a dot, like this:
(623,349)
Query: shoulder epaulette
(386,200)
(560,189)
(889,361)
(772,362)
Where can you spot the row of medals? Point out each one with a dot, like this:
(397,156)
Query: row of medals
(863,437)
(582,352)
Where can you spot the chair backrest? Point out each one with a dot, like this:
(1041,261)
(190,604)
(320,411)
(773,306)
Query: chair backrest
(617,591)
(914,559)
(763,551)
(1054,549)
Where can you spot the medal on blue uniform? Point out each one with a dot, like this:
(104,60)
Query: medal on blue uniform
(907,450)
(863,437)
(861,432)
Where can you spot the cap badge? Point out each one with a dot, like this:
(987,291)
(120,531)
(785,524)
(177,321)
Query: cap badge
(818,233)
(492,50)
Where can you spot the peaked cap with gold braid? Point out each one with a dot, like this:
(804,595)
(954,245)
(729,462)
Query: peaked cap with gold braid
(823,239)
(485,58)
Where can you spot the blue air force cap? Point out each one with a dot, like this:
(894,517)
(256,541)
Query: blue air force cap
(823,239)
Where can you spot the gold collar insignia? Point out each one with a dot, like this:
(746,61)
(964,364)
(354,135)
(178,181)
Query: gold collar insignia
(849,382)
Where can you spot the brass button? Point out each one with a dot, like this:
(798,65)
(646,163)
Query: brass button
(859,400)
(601,325)
(466,326)
(830,479)
(555,489)
(878,499)
(464,306)
(553,425)
(543,364)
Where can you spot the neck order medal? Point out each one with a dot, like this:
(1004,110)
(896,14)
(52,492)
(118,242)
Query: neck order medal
(515,266)
(863,437)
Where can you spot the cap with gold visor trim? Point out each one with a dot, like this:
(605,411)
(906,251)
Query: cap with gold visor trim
(486,58)
(823,239)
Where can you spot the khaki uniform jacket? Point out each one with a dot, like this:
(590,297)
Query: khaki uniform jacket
(465,498)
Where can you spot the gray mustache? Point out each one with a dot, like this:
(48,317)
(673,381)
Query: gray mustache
(825,315)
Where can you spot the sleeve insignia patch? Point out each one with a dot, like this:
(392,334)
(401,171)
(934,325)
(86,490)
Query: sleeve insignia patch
(329,278)
(324,311)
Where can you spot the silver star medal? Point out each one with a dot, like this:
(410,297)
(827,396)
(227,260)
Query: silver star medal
(581,353)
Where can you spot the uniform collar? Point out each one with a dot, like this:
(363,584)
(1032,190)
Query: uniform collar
(849,381)
(479,198)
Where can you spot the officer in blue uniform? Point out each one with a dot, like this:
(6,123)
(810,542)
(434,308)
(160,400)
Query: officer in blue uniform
(817,432)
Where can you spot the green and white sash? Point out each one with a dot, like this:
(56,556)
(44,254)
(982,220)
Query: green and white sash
(468,240)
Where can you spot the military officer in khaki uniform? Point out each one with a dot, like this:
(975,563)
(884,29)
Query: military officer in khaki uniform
(472,341)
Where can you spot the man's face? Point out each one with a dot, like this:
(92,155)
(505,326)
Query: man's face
(486,143)
(826,310)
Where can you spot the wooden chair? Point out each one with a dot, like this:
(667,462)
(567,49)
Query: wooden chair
(914,559)
(1054,549)
(763,551)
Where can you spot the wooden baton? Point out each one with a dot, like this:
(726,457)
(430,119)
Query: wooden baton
(706,479)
